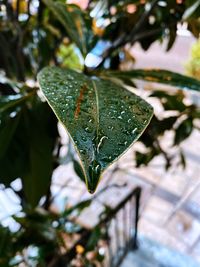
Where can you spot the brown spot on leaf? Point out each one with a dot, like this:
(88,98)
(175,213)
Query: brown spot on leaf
(80,100)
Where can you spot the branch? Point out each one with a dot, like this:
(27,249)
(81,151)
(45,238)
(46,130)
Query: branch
(123,39)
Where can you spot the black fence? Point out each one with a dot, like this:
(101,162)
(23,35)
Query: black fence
(120,227)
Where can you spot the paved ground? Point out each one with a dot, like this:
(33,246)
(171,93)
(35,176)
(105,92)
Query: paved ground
(152,254)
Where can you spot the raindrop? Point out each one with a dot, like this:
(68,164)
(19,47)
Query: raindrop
(84,138)
(134,130)
(126,132)
(88,130)
(101,142)
(82,151)
(120,144)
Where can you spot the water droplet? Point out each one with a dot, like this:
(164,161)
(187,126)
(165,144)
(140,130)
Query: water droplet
(126,132)
(84,138)
(134,131)
(119,117)
(88,129)
(101,141)
(110,127)
(82,151)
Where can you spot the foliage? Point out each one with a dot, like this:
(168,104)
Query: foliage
(35,34)
(193,66)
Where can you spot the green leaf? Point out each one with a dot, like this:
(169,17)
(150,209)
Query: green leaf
(183,131)
(157,76)
(41,132)
(7,130)
(26,149)
(103,119)
(171,101)
(78,170)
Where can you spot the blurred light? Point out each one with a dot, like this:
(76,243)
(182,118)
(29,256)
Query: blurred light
(80,249)
(182,29)
(17,184)
(152,19)
(92,60)
(102,251)
(162,3)
(81,3)
(113,10)
(131,8)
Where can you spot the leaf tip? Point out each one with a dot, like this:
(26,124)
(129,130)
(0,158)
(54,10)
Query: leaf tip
(94,173)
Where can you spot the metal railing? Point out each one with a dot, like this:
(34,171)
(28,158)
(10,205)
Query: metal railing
(120,226)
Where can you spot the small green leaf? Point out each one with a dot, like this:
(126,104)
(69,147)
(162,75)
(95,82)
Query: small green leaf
(103,119)
(157,76)
(183,131)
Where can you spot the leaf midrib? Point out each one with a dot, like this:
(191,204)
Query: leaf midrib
(97,120)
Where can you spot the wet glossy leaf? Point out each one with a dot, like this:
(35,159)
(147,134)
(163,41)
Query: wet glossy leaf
(102,118)
(78,170)
(158,76)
